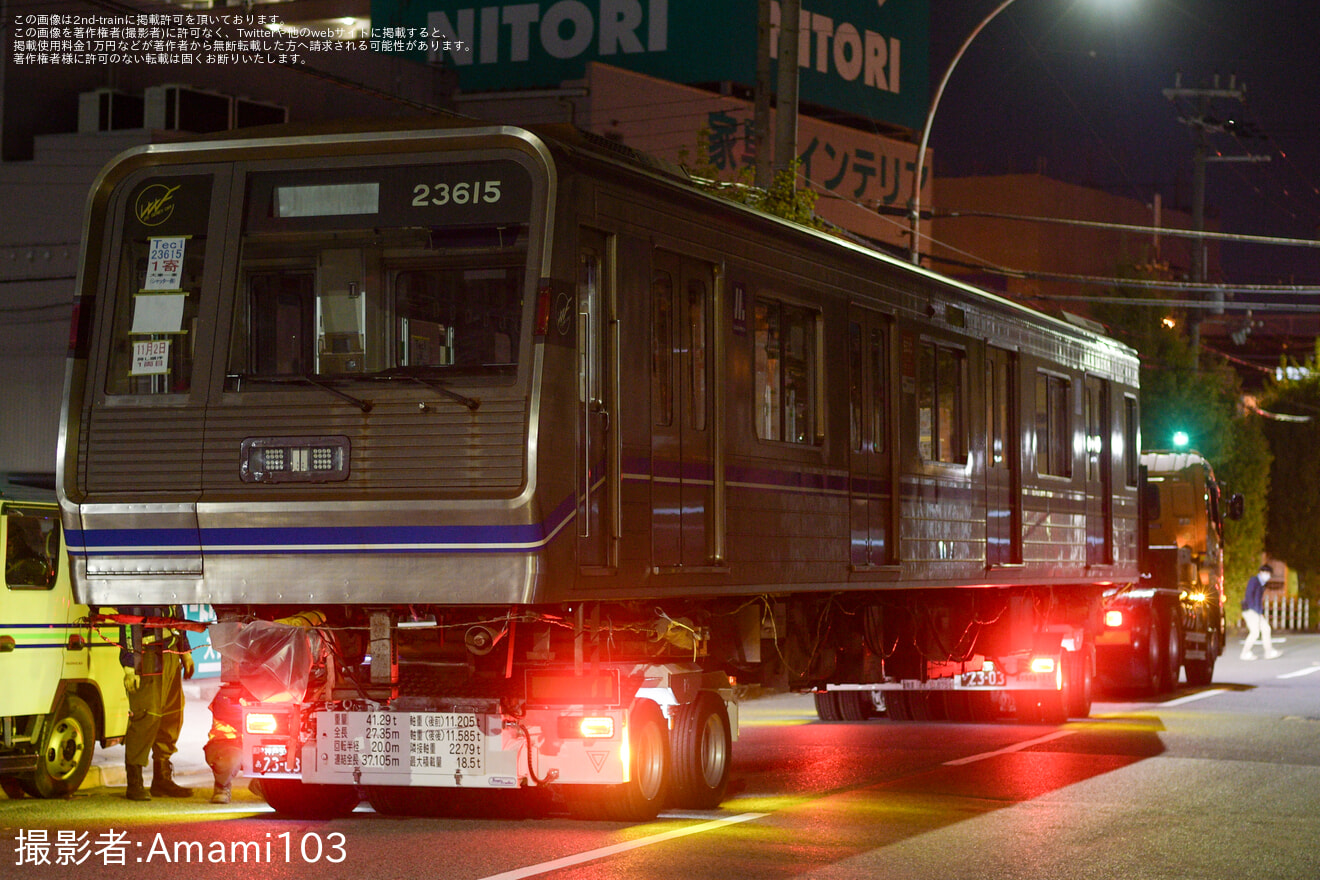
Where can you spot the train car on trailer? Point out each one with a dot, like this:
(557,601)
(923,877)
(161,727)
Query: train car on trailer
(555,450)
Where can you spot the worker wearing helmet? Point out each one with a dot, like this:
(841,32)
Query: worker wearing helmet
(156,659)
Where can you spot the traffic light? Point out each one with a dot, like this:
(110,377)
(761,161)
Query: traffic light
(1180,439)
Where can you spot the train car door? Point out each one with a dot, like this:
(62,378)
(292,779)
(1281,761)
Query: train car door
(1003,460)
(683,422)
(598,461)
(871,459)
(1099,471)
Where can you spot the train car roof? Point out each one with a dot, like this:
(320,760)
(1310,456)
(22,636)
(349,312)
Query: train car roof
(578,143)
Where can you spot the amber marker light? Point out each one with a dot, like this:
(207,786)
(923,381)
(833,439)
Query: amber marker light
(261,723)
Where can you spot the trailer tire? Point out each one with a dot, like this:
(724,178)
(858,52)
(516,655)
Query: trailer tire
(827,706)
(701,748)
(855,705)
(1079,681)
(66,751)
(898,706)
(641,797)
(302,800)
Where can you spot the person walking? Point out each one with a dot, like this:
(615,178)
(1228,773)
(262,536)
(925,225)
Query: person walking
(1253,612)
(156,660)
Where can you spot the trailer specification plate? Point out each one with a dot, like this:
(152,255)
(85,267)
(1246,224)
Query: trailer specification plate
(403,742)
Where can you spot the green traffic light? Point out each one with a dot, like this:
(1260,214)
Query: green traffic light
(1180,439)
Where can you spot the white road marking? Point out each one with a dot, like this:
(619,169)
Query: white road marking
(1299,673)
(971,759)
(592,855)
(1192,698)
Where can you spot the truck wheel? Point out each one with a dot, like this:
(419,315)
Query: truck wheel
(827,706)
(1174,652)
(1155,661)
(66,751)
(701,745)
(302,800)
(1201,672)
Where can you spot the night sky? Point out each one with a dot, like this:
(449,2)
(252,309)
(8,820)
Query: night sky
(1074,88)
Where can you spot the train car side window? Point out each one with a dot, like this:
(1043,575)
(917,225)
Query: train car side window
(1131,441)
(786,373)
(942,426)
(158,286)
(868,387)
(1053,431)
(698,304)
(662,349)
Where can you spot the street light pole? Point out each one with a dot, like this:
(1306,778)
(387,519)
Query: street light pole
(914,251)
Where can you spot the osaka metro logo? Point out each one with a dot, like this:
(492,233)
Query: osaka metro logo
(155,204)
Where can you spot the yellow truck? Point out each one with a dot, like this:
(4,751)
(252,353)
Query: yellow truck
(63,687)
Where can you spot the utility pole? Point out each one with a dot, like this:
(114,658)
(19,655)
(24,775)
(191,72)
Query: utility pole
(786,95)
(1205,124)
(761,107)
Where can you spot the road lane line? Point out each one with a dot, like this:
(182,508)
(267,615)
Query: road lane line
(592,855)
(971,759)
(1299,673)
(1192,698)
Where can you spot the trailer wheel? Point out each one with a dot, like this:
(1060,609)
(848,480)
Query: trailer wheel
(827,706)
(302,800)
(641,797)
(898,706)
(855,705)
(701,745)
(66,751)
(1079,670)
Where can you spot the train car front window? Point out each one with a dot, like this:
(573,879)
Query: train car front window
(369,273)
(158,285)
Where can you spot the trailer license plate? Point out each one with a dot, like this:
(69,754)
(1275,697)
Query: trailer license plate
(983,678)
(273,759)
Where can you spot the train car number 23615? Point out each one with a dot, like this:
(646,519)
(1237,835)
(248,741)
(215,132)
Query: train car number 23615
(464,193)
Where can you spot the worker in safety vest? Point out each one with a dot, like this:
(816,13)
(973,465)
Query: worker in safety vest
(224,744)
(156,659)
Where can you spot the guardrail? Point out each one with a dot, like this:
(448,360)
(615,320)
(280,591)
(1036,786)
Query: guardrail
(1288,613)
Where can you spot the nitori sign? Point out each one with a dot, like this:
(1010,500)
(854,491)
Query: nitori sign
(863,57)
(563,30)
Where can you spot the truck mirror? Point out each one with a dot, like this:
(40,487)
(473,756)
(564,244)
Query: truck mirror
(1236,506)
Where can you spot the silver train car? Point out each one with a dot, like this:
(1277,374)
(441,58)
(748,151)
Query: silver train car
(517,414)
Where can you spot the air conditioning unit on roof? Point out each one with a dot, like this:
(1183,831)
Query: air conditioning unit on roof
(108,110)
(183,108)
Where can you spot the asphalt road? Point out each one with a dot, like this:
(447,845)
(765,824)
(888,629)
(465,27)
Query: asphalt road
(1217,782)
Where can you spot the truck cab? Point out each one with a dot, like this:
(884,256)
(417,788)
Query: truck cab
(1173,619)
(64,689)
